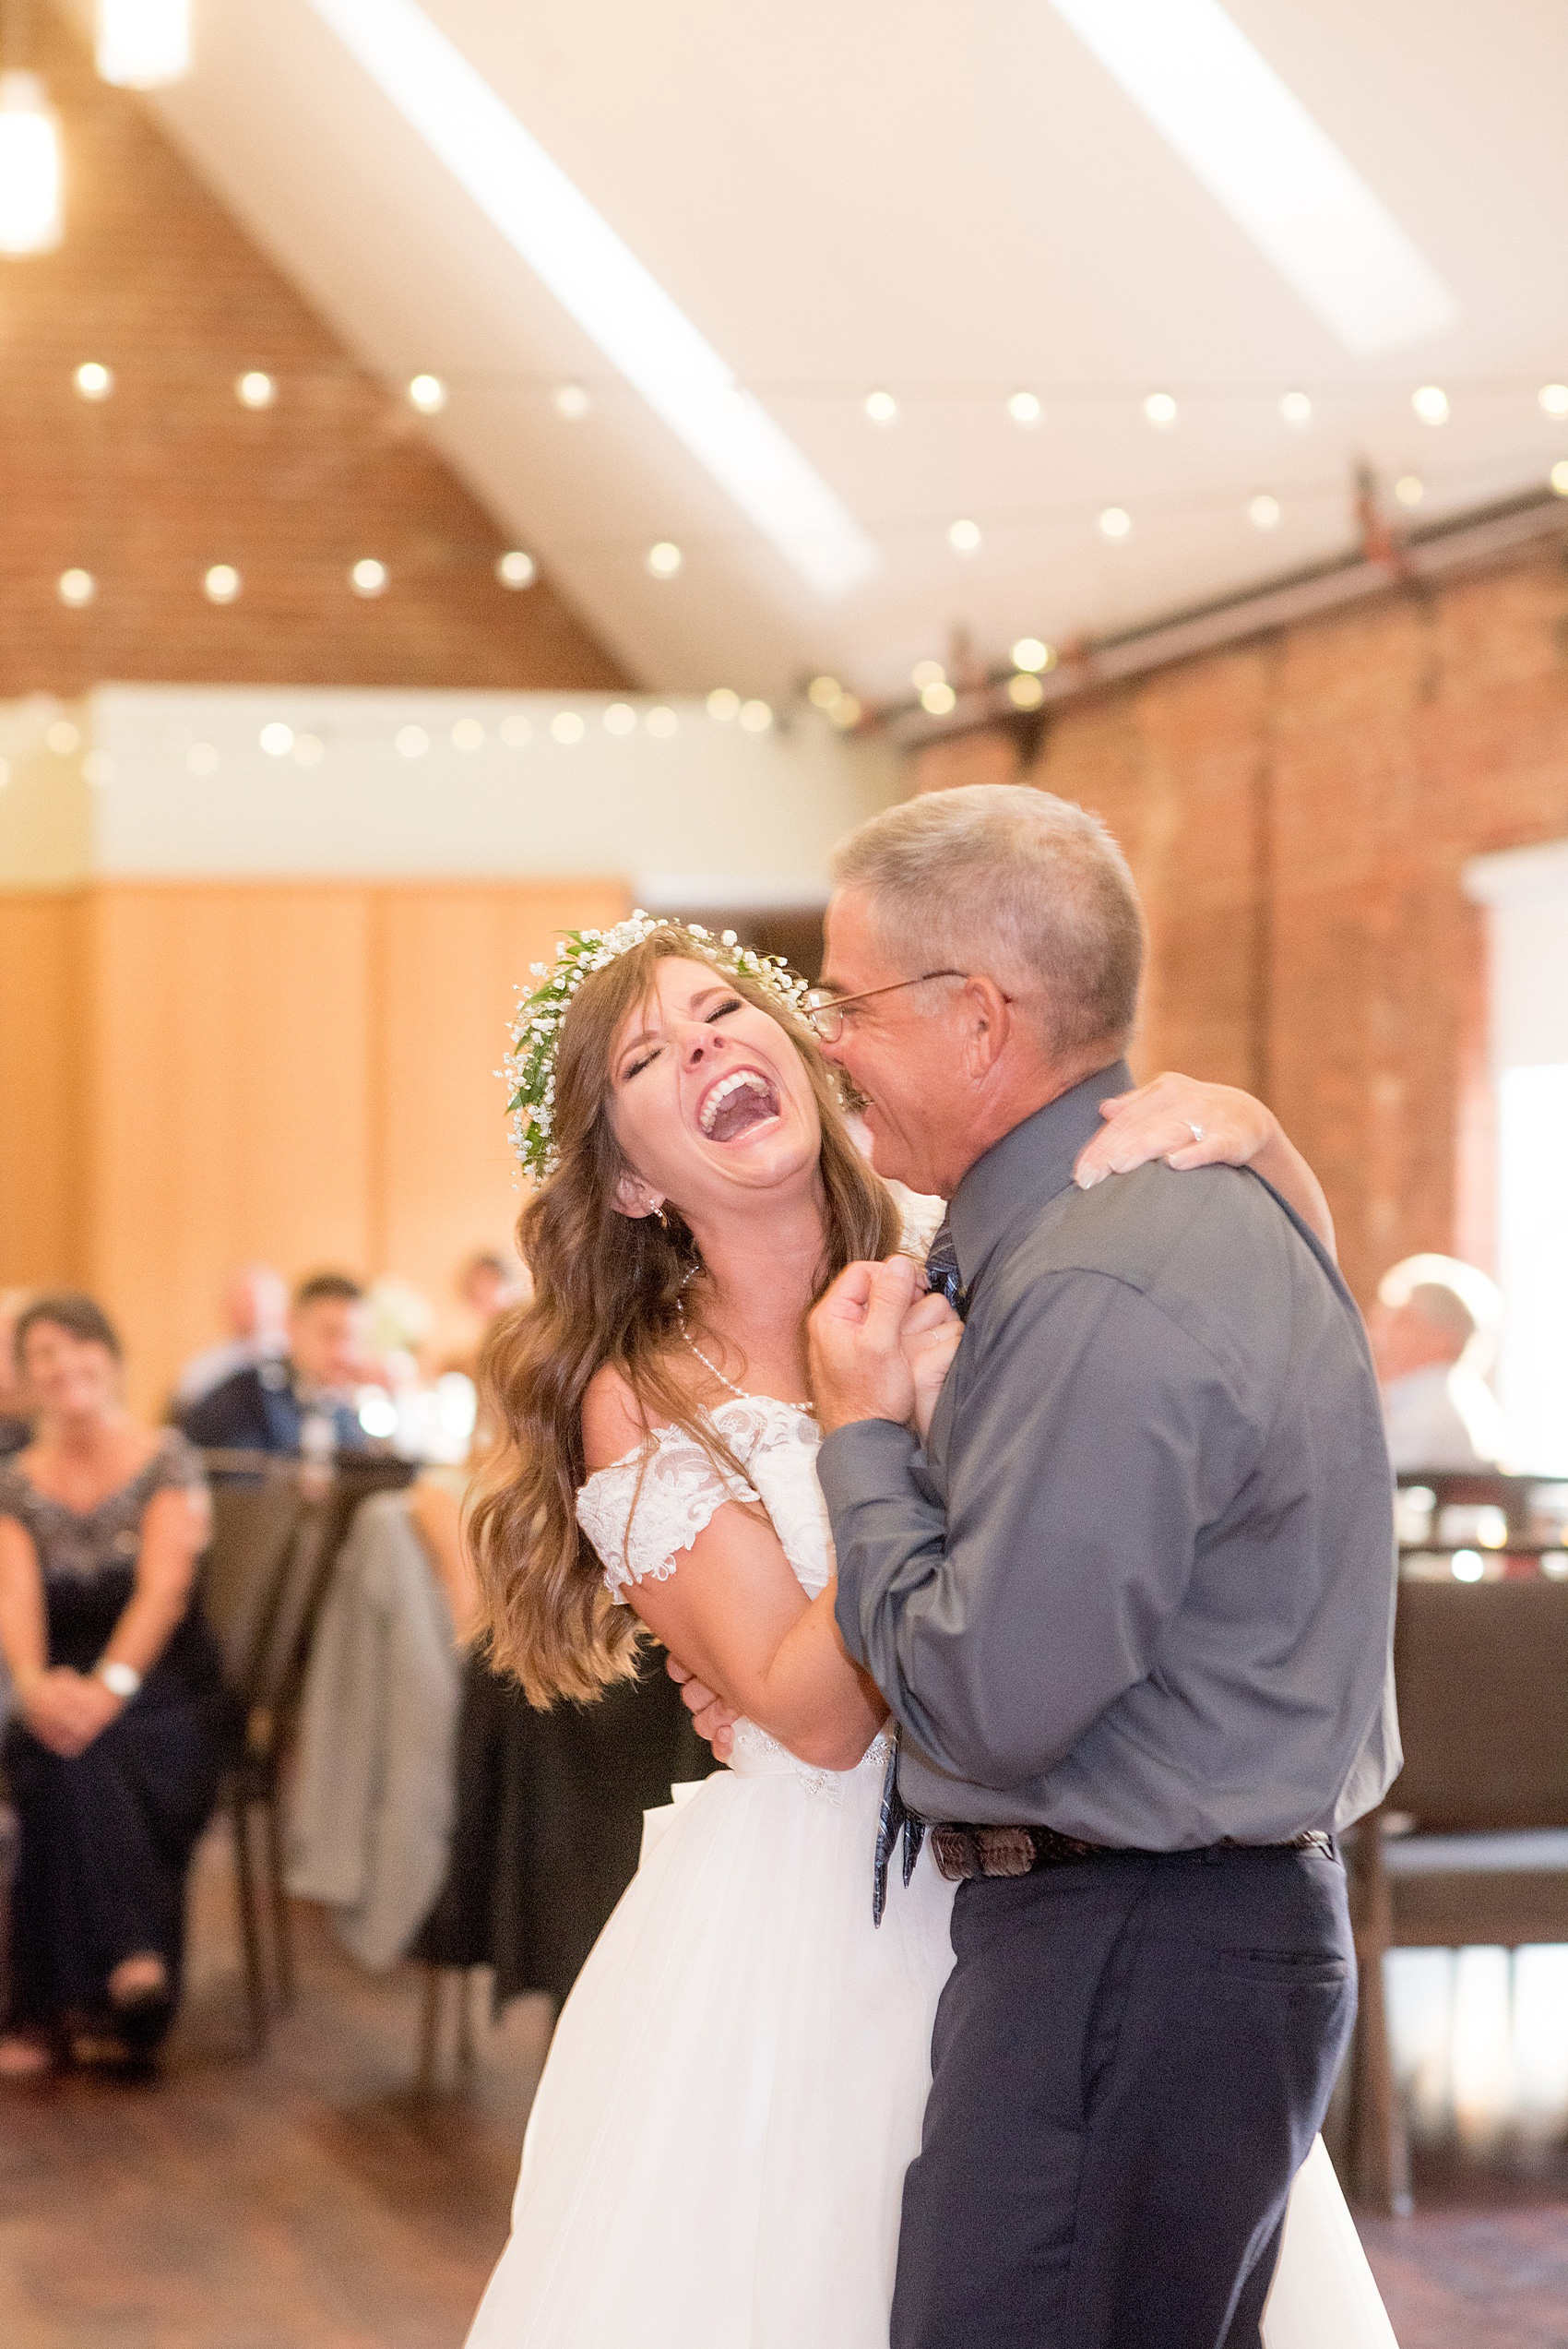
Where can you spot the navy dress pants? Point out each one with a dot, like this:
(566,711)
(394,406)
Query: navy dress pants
(1131,2059)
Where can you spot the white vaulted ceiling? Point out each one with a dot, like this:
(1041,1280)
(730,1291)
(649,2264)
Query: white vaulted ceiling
(947,203)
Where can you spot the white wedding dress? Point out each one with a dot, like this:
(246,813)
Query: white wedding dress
(717,2150)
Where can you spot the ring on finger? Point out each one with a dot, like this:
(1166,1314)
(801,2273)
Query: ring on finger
(1195,1130)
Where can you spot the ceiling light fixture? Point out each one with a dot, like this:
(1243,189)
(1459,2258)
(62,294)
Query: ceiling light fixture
(94,380)
(255,389)
(1246,136)
(1297,409)
(566,726)
(144,44)
(1558,477)
(368,577)
(221,584)
(1161,409)
(76,588)
(1024,407)
(428,394)
(1431,404)
(467,735)
(619,718)
(603,286)
(882,408)
(31,173)
(1263,512)
(1115,523)
(1032,653)
(1554,399)
(514,569)
(276,739)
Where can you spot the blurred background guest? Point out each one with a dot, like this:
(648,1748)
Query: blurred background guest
(256,1314)
(115,1754)
(1430,1334)
(487,1284)
(16,1429)
(305,1402)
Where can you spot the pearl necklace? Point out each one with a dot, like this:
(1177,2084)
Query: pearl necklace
(714,1371)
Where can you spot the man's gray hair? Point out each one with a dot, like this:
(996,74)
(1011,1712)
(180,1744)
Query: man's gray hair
(1016,886)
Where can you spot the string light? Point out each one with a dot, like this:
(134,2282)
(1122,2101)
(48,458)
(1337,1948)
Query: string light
(722,704)
(1024,407)
(845,714)
(31,170)
(882,408)
(964,537)
(1553,397)
(368,577)
(1558,477)
(1025,691)
(428,394)
(619,718)
(1115,523)
(572,402)
(94,380)
(1297,409)
(1161,409)
(467,735)
(823,692)
(255,389)
(1431,404)
(566,726)
(1033,653)
(755,716)
(1262,511)
(76,588)
(514,569)
(938,697)
(661,722)
(1409,489)
(410,742)
(277,740)
(927,672)
(144,44)
(221,584)
(664,560)
(62,737)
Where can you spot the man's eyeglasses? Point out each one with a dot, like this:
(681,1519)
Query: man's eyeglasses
(826,1011)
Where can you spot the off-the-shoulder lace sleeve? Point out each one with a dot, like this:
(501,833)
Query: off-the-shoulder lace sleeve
(642,1512)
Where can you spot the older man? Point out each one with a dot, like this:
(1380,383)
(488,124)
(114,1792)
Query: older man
(1131,1607)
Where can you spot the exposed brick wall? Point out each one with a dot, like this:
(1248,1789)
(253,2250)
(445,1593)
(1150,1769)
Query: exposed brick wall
(172,474)
(1299,812)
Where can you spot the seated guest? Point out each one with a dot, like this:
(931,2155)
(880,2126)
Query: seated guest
(256,1314)
(306,1403)
(114,1752)
(16,1429)
(1440,1413)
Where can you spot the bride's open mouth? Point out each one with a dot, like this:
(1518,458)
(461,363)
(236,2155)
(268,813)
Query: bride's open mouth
(736,1105)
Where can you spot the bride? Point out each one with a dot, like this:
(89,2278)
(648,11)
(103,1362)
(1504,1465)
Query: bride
(715,2151)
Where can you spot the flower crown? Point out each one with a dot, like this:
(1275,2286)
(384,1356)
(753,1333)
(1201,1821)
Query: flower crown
(530,1067)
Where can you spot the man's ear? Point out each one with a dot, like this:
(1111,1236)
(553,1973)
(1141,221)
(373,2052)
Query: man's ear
(634,1198)
(987,1015)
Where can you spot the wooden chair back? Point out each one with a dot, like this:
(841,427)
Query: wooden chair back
(255,1531)
(1481,1672)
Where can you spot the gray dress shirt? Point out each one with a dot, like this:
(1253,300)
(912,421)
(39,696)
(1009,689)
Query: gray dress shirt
(1140,1587)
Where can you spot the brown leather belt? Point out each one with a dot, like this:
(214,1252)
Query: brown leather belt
(961,1852)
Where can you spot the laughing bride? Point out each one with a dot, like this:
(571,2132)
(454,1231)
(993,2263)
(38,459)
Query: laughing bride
(716,2151)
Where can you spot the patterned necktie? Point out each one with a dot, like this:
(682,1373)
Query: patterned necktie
(894,1820)
(942,1271)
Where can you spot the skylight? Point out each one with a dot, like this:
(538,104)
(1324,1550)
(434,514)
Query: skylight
(1256,148)
(600,283)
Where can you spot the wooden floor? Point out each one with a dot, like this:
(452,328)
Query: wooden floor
(310,2199)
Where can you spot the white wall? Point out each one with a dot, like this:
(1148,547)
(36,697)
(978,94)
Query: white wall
(172,781)
(1525,894)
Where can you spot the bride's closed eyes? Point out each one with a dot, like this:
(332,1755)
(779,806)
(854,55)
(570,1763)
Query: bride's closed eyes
(720,1011)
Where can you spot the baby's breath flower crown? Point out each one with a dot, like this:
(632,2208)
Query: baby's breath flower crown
(530,1067)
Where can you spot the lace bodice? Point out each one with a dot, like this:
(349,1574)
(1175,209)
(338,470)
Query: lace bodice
(644,1510)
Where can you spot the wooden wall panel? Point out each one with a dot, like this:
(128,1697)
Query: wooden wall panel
(42,1101)
(450,960)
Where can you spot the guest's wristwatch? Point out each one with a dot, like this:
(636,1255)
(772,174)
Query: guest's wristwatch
(122,1681)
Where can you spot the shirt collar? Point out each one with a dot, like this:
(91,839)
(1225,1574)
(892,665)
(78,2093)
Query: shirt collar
(1028,1166)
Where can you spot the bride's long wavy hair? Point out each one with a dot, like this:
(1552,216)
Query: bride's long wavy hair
(607,1289)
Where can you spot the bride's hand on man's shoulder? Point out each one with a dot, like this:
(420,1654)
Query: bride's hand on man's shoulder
(1179,1119)
(929,1339)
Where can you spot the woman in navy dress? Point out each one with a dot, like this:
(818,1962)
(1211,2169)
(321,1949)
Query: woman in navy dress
(115,1748)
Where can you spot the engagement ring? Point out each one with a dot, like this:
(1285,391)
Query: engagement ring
(1197,1131)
